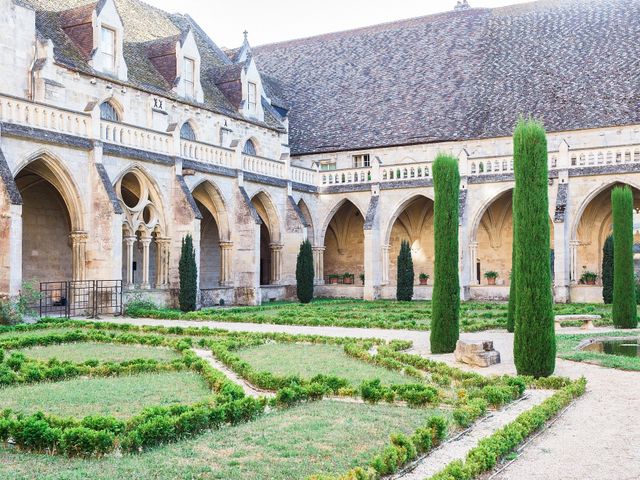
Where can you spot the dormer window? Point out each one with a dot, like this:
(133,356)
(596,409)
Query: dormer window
(249,148)
(189,77)
(108,112)
(108,48)
(252,95)
(187,133)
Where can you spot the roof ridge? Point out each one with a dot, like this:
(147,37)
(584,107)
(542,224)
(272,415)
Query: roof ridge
(372,28)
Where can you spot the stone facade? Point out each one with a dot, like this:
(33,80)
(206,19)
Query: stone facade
(87,196)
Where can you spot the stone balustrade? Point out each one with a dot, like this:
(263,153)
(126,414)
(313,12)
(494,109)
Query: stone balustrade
(135,137)
(207,153)
(263,166)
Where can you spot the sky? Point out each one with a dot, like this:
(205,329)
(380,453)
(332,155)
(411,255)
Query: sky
(278,20)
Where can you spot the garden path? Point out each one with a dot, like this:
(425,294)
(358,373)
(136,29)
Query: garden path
(597,438)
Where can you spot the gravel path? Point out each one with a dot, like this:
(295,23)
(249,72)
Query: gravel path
(458,448)
(597,439)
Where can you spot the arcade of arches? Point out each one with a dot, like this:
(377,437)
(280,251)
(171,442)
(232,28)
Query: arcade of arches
(344,242)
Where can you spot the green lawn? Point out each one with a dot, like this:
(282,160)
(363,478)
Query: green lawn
(415,315)
(119,396)
(567,349)
(321,437)
(308,360)
(104,352)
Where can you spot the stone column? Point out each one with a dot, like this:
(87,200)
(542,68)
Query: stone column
(573,257)
(130,240)
(162,262)
(561,271)
(276,260)
(372,264)
(473,260)
(78,254)
(385,264)
(226,249)
(146,241)
(318,265)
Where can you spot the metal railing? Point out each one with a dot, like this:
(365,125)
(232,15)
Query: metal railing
(80,298)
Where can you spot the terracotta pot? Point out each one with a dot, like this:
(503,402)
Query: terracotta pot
(333,280)
(491,281)
(423,281)
(591,282)
(348,280)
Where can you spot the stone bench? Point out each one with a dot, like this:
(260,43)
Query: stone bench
(587,320)
(479,354)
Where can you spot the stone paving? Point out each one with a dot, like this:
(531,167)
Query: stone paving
(596,439)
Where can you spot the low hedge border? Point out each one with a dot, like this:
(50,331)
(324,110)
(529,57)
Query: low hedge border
(404,449)
(493,448)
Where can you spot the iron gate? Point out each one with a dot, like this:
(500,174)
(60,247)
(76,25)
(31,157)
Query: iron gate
(80,298)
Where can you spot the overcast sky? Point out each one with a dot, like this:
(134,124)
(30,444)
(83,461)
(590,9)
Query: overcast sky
(277,20)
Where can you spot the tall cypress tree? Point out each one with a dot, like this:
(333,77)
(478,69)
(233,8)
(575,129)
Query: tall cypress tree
(445,329)
(404,285)
(511,312)
(624,311)
(534,347)
(607,270)
(188,276)
(304,273)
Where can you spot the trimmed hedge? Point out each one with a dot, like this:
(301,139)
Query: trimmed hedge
(445,320)
(490,450)
(534,348)
(624,310)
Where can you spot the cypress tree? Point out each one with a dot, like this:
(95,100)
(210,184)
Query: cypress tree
(445,329)
(304,273)
(534,347)
(624,312)
(404,285)
(607,270)
(188,276)
(511,312)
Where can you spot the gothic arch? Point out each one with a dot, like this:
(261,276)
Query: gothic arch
(209,195)
(486,205)
(143,207)
(334,209)
(400,209)
(49,167)
(308,218)
(268,213)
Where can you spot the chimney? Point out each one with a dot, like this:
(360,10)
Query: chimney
(462,5)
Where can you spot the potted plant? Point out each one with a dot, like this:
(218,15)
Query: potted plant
(423,277)
(491,277)
(362,278)
(333,278)
(588,278)
(347,278)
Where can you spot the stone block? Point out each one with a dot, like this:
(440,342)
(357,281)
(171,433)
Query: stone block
(479,353)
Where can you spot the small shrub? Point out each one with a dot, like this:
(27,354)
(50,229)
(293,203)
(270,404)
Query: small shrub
(82,441)
(188,276)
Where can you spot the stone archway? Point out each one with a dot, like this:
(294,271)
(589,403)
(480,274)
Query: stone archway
(215,237)
(413,221)
(344,241)
(53,233)
(592,228)
(145,259)
(270,239)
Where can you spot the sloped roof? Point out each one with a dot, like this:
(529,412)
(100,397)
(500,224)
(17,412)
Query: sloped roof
(460,75)
(144,26)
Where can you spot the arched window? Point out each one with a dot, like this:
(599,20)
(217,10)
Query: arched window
(249,148)
(187,133)
(108,112)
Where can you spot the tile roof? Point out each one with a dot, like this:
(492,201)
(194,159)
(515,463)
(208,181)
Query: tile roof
(144,27)
(461,75)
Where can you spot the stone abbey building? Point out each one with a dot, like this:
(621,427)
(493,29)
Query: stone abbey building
(123,128)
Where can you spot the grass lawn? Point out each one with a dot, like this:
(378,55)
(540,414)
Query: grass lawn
(118,396)
(567,349)
(104,352)
(309,360)
(416,315)
(321,437)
